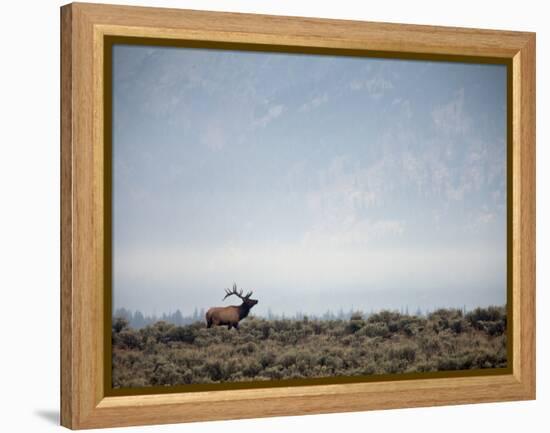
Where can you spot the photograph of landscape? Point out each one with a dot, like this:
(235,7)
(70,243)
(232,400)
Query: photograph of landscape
(283,216)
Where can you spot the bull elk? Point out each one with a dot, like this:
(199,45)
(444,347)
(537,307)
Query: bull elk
(232,315)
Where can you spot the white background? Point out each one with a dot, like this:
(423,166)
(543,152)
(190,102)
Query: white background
(29,229)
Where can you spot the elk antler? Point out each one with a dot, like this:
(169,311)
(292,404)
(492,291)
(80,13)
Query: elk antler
(234,292)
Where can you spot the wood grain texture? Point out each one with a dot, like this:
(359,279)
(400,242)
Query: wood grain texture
(296,31)
(525,207)
(67,394)
(83,400)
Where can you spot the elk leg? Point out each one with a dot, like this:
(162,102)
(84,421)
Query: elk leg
(236,326)
(229,326)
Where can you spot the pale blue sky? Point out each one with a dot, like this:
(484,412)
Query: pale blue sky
(321,182)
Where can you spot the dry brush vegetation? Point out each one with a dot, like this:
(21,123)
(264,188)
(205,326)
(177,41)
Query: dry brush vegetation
(385,342)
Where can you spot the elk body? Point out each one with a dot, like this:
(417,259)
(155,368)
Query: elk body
(232,315)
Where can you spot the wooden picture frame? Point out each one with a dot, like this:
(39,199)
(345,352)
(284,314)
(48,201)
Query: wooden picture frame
(84,29)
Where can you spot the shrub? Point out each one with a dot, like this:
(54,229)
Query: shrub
(129,339)
(266,330)
(457,326)
(287,359)
(490,314)
(185,334)
(119,323)
(267,358)
(354,325)
(376,330)
(407,353)
(384,316)
(252,368)
(213,369)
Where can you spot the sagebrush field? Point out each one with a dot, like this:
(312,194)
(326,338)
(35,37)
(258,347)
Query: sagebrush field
(385,342)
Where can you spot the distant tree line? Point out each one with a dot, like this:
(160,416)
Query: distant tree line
(137,320)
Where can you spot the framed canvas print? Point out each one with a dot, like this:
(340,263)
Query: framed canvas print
(311,215)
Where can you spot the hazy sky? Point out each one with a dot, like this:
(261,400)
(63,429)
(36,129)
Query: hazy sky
(320,182)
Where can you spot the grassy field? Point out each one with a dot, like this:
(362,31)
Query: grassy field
(386,342)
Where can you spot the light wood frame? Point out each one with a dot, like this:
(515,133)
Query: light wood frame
(83,28)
